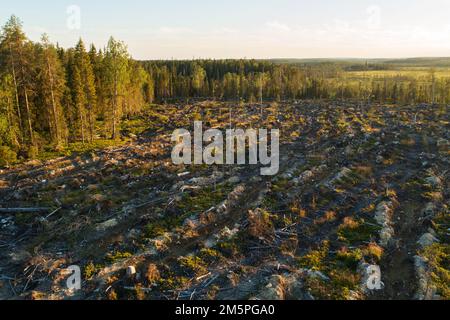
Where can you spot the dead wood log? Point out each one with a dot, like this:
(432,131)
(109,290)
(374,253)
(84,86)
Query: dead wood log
(24,210)
(145,290)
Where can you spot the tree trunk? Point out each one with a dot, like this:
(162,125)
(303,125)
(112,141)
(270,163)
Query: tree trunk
(433,90)
(55,111)
(261,92)
(27,102)
(10,115)
(16,91)
(91,124)
(82,125)
(30,127)
(114,128)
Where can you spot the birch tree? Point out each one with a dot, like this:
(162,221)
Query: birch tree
(116,64)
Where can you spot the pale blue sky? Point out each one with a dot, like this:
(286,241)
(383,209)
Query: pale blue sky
(246,28)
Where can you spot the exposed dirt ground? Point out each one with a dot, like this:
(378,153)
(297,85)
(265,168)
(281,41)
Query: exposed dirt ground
(358,185)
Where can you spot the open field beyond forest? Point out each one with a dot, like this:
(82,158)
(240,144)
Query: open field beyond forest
(358,184)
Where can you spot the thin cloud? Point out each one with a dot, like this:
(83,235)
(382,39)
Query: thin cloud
(278,26)
(175,30)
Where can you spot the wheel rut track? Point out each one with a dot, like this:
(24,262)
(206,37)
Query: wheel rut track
(397,266)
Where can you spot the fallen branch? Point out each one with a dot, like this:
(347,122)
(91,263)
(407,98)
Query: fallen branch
(51,214)
(284,233)
(207,284)
(12,288)
(145,290)
(24,210)
(203,276)
(262,248)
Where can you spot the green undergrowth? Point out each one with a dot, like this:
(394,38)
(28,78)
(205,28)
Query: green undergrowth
(80,148)
(339,272)
(438,257)
(357,231)
(197,202)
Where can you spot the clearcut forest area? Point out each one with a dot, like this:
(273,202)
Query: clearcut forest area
(86,176)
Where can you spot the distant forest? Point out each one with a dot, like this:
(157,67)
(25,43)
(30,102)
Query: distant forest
(50,96)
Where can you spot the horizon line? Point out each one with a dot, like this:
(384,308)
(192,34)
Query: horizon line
(298,59)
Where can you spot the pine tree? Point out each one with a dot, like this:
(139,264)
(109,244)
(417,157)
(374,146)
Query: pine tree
(16,52)
(52,86)
(9,130)
(85,97)
(198,79)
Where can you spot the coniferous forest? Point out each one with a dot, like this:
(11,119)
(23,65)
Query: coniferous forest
(50,96)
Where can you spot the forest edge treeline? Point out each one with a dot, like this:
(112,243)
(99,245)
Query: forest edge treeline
(50,96)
